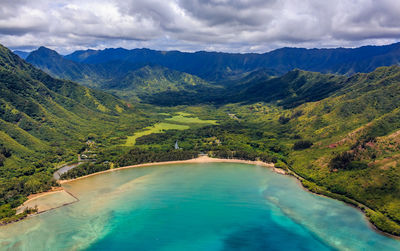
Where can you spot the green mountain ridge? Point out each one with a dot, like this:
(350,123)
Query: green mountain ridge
(128,81)
(153,80)
(290,90)
(162,86)
(52,63)
(217,66)
(355,136)
(44,121)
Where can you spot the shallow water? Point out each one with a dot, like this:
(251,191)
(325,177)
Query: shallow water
(213,206)
(48,201)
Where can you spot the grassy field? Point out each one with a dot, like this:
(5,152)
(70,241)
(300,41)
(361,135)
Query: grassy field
(187,118)
(182,121)
(157,128)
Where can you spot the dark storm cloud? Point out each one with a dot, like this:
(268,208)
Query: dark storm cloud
(224,25)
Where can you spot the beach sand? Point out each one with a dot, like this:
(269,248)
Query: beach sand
(201,159)
(48,200)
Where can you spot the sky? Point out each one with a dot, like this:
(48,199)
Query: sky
(193,25)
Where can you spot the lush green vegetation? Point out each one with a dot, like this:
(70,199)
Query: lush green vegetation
(139,156)
(85,169)
(9,216)
(180,121)
(302,144)
(130,81)
(156,128)
(186,118)
(4,154)
(340,135)
(147,82)
(45,122)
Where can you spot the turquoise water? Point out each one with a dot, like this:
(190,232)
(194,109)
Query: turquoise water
(214,206)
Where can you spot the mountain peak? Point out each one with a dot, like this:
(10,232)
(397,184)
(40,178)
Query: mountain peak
(44,50)
(44,54)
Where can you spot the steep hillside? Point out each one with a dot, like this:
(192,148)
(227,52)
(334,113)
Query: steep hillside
(53,63)
(290,90)
(364,97)
(153,80)
(245,77)
(44,121)
(355,143)
(127,80)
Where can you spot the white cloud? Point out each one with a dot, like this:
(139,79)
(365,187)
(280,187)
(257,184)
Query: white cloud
(223,25)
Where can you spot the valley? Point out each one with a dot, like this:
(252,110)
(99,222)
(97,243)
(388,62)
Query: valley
(218,125)
(338,133)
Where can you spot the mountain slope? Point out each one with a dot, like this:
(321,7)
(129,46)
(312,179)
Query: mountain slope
(153,80)
(355,151)
(127,80)
(22,54)
(218,66)
(44,121)
(292,89)
(245,77)
(34,101)
(53,63)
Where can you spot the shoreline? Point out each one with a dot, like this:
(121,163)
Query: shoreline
(38,195)
(358,207)
(53,190)
(201,159)
(207,159)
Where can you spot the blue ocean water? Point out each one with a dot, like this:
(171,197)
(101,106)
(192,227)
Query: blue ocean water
(212,206)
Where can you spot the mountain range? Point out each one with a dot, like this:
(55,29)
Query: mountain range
(166,73)
(215,66)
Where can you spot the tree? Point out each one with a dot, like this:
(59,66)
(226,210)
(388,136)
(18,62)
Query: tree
(302,144)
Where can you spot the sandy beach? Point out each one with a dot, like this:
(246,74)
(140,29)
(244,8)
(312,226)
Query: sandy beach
(201,159)
(37,195)
(46,201)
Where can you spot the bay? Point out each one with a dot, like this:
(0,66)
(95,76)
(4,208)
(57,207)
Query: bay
(207,206)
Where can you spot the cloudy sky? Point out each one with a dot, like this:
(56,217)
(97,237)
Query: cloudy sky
(190,25)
